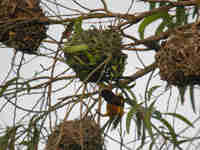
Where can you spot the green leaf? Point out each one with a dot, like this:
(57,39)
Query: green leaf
(184,141)
(7,141)
(129,118)
(157,114)
(152,6)
(143,137)
(132,95)
(160,132)
(161,27)
(91,58)
(75,48)
(3,89)
(147,122)
(191,90)
(171,130)
(151,90)
(78,59)
(107,125)
(163,4)
(195,11)
(116,121)
(4,140)
(78,25)
(182,90)
(139,125)
(180,15)
(31,146)
(132,101)
(182,118)
(36,137)
(28,87)
(148,20)
(151,145)
(128,86)
(131,85)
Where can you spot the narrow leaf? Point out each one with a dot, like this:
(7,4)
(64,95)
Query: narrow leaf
(152,6)
(132,101)
(139,126)
(191,90)
(182,118)
(163,4)
(143,137)
(182,91)
(4,141)
(28,87)
(170,128)
(129,118)
(151,90)
(195,11)
(75,48)
(161,27)
(132,95)
(151,145)
(3,89)
(147,122)
(78,25)
(180,15)
(148,20)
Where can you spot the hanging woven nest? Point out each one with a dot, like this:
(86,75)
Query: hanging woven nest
(179,58)
(82,134)
(19,24)
(95,54)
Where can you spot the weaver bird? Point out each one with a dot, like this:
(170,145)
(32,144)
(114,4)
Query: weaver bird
(114,107)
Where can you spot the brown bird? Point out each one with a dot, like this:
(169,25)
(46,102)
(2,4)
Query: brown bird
(114,107)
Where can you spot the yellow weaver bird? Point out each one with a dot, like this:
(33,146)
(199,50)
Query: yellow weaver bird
(114,107)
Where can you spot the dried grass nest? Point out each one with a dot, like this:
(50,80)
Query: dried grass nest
(179,57)
(20,27)
(88,53)
(75,134)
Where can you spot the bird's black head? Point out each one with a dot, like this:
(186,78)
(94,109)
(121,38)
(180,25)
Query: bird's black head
(107,94)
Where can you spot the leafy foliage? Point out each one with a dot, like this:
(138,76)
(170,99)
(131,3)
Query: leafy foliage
(169,20)
(166,22)
(144,116)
